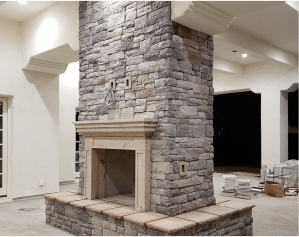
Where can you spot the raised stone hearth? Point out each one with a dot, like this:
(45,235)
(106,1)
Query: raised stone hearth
(79,216)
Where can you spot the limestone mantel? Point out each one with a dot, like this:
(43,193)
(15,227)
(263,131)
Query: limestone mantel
(117,134)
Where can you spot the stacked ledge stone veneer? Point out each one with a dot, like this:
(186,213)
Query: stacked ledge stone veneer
(170,67)
(171,71)
(73,213)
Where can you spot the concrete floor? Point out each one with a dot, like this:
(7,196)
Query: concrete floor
(271,216)
(27,217)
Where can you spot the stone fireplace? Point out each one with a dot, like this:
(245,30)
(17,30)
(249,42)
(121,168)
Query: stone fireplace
(136,63)
(146,120)
(117,159)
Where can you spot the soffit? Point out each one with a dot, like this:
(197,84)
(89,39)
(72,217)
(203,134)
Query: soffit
(276,25)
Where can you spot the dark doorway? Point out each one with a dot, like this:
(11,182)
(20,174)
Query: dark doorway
(237,131)
(293,124)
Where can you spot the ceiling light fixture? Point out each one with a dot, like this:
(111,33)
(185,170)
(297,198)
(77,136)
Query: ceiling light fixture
(22,2)
(244,55)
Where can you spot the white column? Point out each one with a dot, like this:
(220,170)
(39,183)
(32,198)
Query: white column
(274,126)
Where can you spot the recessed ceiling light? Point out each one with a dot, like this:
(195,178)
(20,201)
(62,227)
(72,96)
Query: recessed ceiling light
(244,55)
(22,2)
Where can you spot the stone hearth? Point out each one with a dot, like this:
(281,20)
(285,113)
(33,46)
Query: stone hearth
(80,216)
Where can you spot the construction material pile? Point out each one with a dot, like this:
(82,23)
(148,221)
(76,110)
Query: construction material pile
(235,188)
(243,188)
(229,183)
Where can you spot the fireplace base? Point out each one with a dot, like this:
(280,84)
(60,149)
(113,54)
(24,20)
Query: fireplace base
(75,214)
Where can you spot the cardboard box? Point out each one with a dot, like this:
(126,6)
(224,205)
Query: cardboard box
(274,189)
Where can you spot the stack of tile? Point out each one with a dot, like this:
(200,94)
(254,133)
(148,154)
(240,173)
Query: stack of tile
(243,188)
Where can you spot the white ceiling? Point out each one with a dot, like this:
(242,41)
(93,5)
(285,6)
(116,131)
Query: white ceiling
(223,49)
(272,22)
(237,8)
(19,12)
(276,25)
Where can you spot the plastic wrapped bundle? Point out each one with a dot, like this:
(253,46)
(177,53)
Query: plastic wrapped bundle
(243,188)
(229,183)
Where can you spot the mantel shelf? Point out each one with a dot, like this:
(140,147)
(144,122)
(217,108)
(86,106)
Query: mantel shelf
(117,128)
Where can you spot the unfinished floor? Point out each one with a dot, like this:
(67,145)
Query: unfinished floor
(271,216)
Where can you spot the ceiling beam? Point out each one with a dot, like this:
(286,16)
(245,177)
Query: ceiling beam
(227,66)
(258,47)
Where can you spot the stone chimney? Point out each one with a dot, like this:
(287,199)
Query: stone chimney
(136,63)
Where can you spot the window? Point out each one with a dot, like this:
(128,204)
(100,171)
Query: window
(77,167)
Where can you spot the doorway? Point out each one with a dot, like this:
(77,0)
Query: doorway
(293,125)
(3,147)
(237,126)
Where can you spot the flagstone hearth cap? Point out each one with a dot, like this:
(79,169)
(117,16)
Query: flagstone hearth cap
(217,210)
(99,208)
(52,196)
(142,218)
(236,205)
(84,203)
(120,212)
(170,224)
(198,217)
(132,128)
(68,199)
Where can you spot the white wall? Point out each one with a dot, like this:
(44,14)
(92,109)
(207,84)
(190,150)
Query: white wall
(33,119)
(35,141)
(51,28)
(68,101)
(271,81)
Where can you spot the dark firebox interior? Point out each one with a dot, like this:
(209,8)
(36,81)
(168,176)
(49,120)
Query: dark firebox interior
(293,124)
(237,130)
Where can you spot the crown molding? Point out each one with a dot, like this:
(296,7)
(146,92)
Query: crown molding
(201,16)
(53,61)
(45,66)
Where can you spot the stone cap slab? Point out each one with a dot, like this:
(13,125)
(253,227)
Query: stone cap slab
(237,205)
(198,217)
(68,199)
(221,200)
(120,212)
(217,210)
(99,208)
(84,203)
(170,224)
(52,196)
(142,218)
